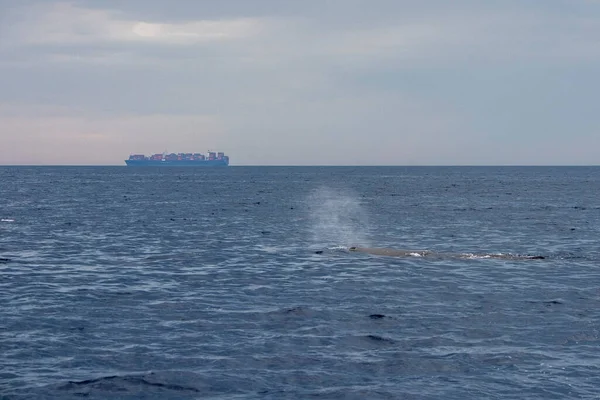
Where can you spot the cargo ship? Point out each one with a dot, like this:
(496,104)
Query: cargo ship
(213,159)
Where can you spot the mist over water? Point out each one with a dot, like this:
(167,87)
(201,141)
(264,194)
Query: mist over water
(337,218)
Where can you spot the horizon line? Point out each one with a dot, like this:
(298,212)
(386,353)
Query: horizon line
(309,165)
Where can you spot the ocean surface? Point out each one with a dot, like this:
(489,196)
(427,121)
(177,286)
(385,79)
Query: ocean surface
(238,283)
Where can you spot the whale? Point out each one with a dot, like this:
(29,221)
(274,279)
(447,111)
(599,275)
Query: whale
(426,253)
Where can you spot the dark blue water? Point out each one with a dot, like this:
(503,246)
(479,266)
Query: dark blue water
(204,283)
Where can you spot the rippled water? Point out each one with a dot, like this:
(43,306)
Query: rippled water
(206,283)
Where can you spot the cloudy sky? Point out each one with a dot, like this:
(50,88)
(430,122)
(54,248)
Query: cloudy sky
(312,82)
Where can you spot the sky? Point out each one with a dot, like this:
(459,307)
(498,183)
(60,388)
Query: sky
(312,82)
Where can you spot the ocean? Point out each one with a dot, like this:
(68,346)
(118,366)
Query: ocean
(238,283)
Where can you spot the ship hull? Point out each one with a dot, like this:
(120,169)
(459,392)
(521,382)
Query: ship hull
(177,163)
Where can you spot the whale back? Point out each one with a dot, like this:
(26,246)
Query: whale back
(424,253)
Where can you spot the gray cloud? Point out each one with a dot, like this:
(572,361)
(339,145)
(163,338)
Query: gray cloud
(317,82)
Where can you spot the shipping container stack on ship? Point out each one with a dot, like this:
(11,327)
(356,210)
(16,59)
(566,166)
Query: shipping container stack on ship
(214,159)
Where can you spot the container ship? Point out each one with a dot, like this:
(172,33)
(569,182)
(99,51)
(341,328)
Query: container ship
(213,159)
